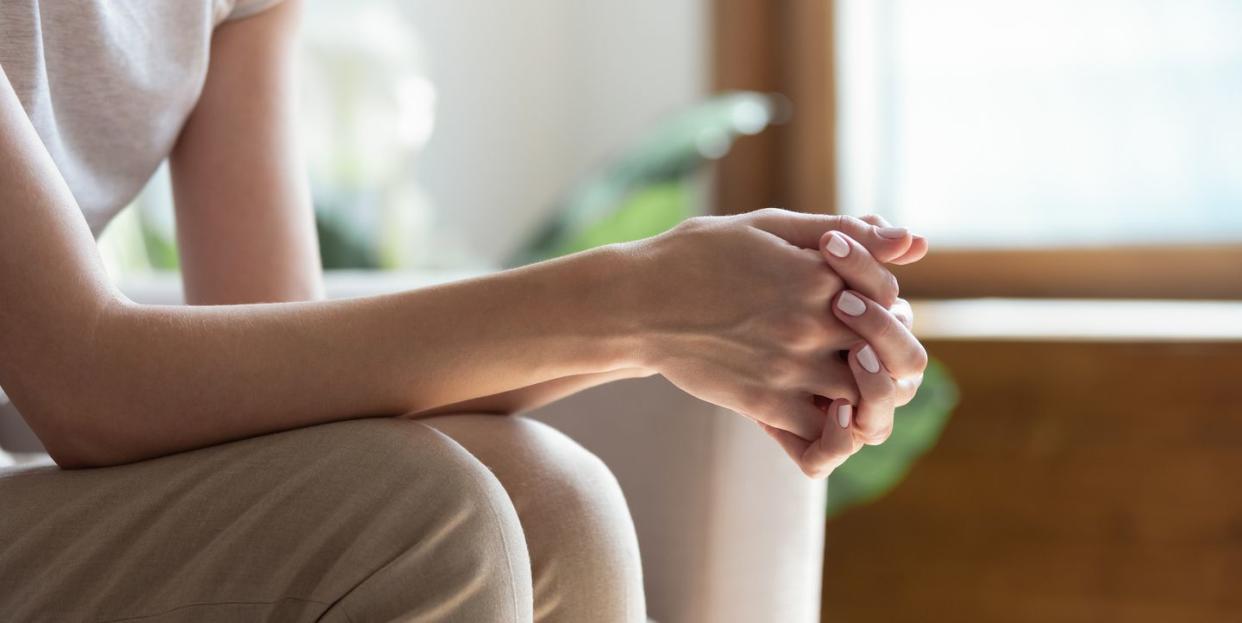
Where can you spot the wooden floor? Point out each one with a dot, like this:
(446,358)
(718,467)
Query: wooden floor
(1076,482)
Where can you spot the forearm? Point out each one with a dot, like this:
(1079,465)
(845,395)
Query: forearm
(163,379)
(538,395)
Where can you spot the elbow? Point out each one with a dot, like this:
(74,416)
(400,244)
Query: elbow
(73,452)
(79,456)
(63,394)
(73,448)
(71,459)
(76,438)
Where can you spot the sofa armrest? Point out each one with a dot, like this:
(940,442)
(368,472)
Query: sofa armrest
(728,527)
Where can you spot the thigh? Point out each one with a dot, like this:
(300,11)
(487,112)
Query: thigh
(386,516)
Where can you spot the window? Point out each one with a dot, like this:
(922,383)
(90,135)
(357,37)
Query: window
(1059,148)
(1050,123)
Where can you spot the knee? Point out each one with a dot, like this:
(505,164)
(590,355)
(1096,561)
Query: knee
(547,475)
(575,490)
(435,534)
(583,548)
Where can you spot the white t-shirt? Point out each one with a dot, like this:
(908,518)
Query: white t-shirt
(108,85)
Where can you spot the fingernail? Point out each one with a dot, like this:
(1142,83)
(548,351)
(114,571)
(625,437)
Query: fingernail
(868,360)
(844,412)
(837,245)
(851,304)
(892,232)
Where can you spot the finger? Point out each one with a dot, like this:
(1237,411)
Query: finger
(902,310)
(831,377)
(820,457)
(793,445)
(855,265)
(797,414)
(897,348)
(873,418)
(907,389)
(918,244)
(874,219)
(805,230)
(917,251)
(837,443)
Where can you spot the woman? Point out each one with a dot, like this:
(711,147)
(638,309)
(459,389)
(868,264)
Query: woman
(238,479)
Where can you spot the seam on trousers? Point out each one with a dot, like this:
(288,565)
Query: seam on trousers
(212,603)
(504,541)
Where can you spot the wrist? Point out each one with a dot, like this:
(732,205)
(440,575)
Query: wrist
(603,303)
(636,304)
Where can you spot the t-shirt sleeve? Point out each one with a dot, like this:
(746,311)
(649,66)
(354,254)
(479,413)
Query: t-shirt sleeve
(245,8)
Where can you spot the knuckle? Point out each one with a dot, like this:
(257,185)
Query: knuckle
(903,309)
(693,224)
(876,427)
(800,333)
(782,372)
(880,436)
(920,360)
(809,338)
(881,326)
(769,212)
(850,221)
(769,406)
(827,281)
(753,401)
(832,222)
(889,290)
(862,229)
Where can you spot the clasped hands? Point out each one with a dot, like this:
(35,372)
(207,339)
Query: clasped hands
(794,321)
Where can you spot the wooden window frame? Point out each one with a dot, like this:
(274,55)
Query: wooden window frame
(787,47)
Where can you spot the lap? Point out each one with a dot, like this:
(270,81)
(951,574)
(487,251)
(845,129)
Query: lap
(282,526)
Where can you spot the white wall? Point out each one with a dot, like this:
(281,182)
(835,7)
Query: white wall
(533,93)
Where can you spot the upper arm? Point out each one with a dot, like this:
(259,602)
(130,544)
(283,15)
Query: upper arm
(53,288)
(244,218)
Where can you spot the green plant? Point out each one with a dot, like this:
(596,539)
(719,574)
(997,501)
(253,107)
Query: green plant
(340,245)
(648,189)
(875,470)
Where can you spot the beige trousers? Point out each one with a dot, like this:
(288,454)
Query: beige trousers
(457,518)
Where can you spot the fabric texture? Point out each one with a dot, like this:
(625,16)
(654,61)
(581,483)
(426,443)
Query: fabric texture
(108,84)
(365,520)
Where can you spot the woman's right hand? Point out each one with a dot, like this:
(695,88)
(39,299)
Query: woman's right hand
(737,310)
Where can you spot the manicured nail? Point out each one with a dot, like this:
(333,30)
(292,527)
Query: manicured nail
(837,245)
(844,413)
(851,304)
(892,232)
(868,360)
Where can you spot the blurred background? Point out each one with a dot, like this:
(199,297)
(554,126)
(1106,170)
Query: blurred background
(1077,166)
